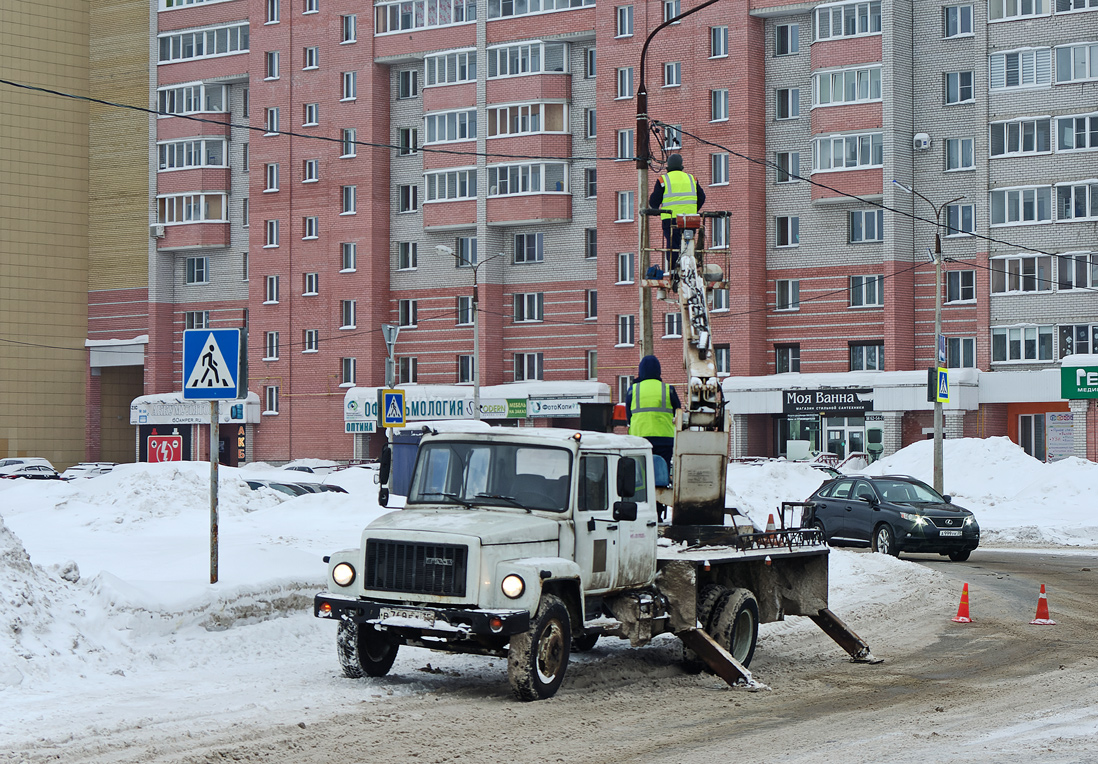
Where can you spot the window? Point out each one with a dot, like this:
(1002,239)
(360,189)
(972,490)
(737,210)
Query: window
(272,121)
(859,85)
(348,200)
(718,164)
(1077,202)
(787,358)
(1076,338)
(272,177)
(672,136)
(465,368)
(271,347)
(311,6)
(271,69)
(245,158)
(536,178)
(848,20)
(958,87)
(625,144)
(787,231)
(592,364)
(464,311)
(787,294)
(1012,206)
(466,251)
(672,324)
(348,256)
(206,43)
(272,234)
(590,243)
(310,341)
(866,225)
(589,63)
(1021,274)
(245,102)
(527,58)
(1021,137)
(625,268)
(408,313)
(847,152)
(960,154)
(192,99)
(450,68)
(347,142)
(407,255)
(1003,10)
(348,314)
(719,238)
(310,171)
(590,124)
(529,307)
(788,166)
(408,83)
(625,207)
(591,304)
(1077,271)
(590,182)
(310,227)
(1021,343)
(960,219)
(179,155)
(311,284)
(408,370)
(625,382)
(626,331)
(960,286)
(788,102)
(529,247)
(529,366)
(527,118)
(1066,6)
(311,57)
(722,359)
(624,26)
(1077,133)
(349,91)
(625,82)
(1021,69)
(273,11)
(787,39)
(196,319)
(961,352)
(191,208)
(868,357)
(348,28)
(672,74)
(501,8)
(720,299)
(347,368)
(1032,435)
(718,42)
(311,115)
(671,9)
(866,291)
(450,126)
(244,266)
(957,21)
(718,105)
(451,185)
(270,393)
(407,198)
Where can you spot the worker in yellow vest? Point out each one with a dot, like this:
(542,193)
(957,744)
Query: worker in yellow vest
(650,408)
(676,193)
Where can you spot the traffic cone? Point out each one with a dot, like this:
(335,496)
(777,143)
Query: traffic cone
(771,531)
(1042,618)
(962,610)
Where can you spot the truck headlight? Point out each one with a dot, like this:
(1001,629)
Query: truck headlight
(513,586)
(343,574)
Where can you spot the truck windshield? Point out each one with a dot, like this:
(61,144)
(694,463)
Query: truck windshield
(492,474)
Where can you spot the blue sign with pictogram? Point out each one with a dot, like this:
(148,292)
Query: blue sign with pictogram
(392,408)
(211,364)
(943,386)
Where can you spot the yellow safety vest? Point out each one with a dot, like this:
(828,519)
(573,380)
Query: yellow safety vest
(680,194)
(650,412)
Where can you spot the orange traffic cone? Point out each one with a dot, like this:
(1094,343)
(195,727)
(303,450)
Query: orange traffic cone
(771,531)
(1042,618)
(962,610)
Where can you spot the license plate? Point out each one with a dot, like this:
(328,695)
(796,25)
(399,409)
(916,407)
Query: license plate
(406,612)
(949,533)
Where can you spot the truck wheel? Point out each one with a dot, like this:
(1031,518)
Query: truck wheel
(735,625)
(538,658)
(364,651)
(884,541)
(708,597)
(584,642)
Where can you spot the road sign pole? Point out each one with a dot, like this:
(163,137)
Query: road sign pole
(213,492)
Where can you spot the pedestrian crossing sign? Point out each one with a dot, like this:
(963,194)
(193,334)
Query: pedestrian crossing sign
(943,386)
(392,408)
(211,364)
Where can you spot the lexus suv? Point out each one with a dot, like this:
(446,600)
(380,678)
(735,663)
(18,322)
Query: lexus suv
(893,514)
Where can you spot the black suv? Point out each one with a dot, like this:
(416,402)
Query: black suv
(893,514)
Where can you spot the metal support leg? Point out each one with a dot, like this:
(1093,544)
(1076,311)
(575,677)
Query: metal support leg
(834,627)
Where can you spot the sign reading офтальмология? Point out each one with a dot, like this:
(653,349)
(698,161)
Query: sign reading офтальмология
(836,402)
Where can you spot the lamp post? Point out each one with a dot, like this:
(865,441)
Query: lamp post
(442,249)
(938,458)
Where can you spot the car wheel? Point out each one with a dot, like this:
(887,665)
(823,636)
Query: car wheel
(884,541)
(960,556)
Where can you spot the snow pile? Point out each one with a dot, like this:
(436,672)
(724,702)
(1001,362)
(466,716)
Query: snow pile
(758,490)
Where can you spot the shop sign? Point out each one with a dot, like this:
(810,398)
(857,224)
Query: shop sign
(354,428)
(553,408)
(834,402)
(1059,435)
(516,408)
(241,444)
(1078,382)
(197,412)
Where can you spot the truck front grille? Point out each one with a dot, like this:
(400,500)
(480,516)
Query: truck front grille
(399,566)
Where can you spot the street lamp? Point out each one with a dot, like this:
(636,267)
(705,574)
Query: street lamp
(442,249)
(938,458)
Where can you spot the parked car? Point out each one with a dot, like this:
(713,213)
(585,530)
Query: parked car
(12,463)
(33,472)
(893,514)
(87,470)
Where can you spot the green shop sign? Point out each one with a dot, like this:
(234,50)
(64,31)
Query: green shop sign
(1078,382)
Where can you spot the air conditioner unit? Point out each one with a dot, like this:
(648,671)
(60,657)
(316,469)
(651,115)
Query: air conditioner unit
(921,142)
(156,230)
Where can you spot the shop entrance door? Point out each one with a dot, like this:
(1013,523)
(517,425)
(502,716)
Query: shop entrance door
(845,436)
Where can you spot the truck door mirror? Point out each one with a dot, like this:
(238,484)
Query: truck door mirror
(625,510)
(627,480)
(385,465)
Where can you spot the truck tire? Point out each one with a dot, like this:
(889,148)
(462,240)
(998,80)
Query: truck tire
(364,651)
(538,658)
(707,599)
(735,624)
(581,643)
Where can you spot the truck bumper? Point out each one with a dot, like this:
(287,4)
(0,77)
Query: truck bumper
(451,624)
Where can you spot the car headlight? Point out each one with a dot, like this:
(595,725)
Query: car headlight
(513,586)
(970,520)
(343,574)
(912,517)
